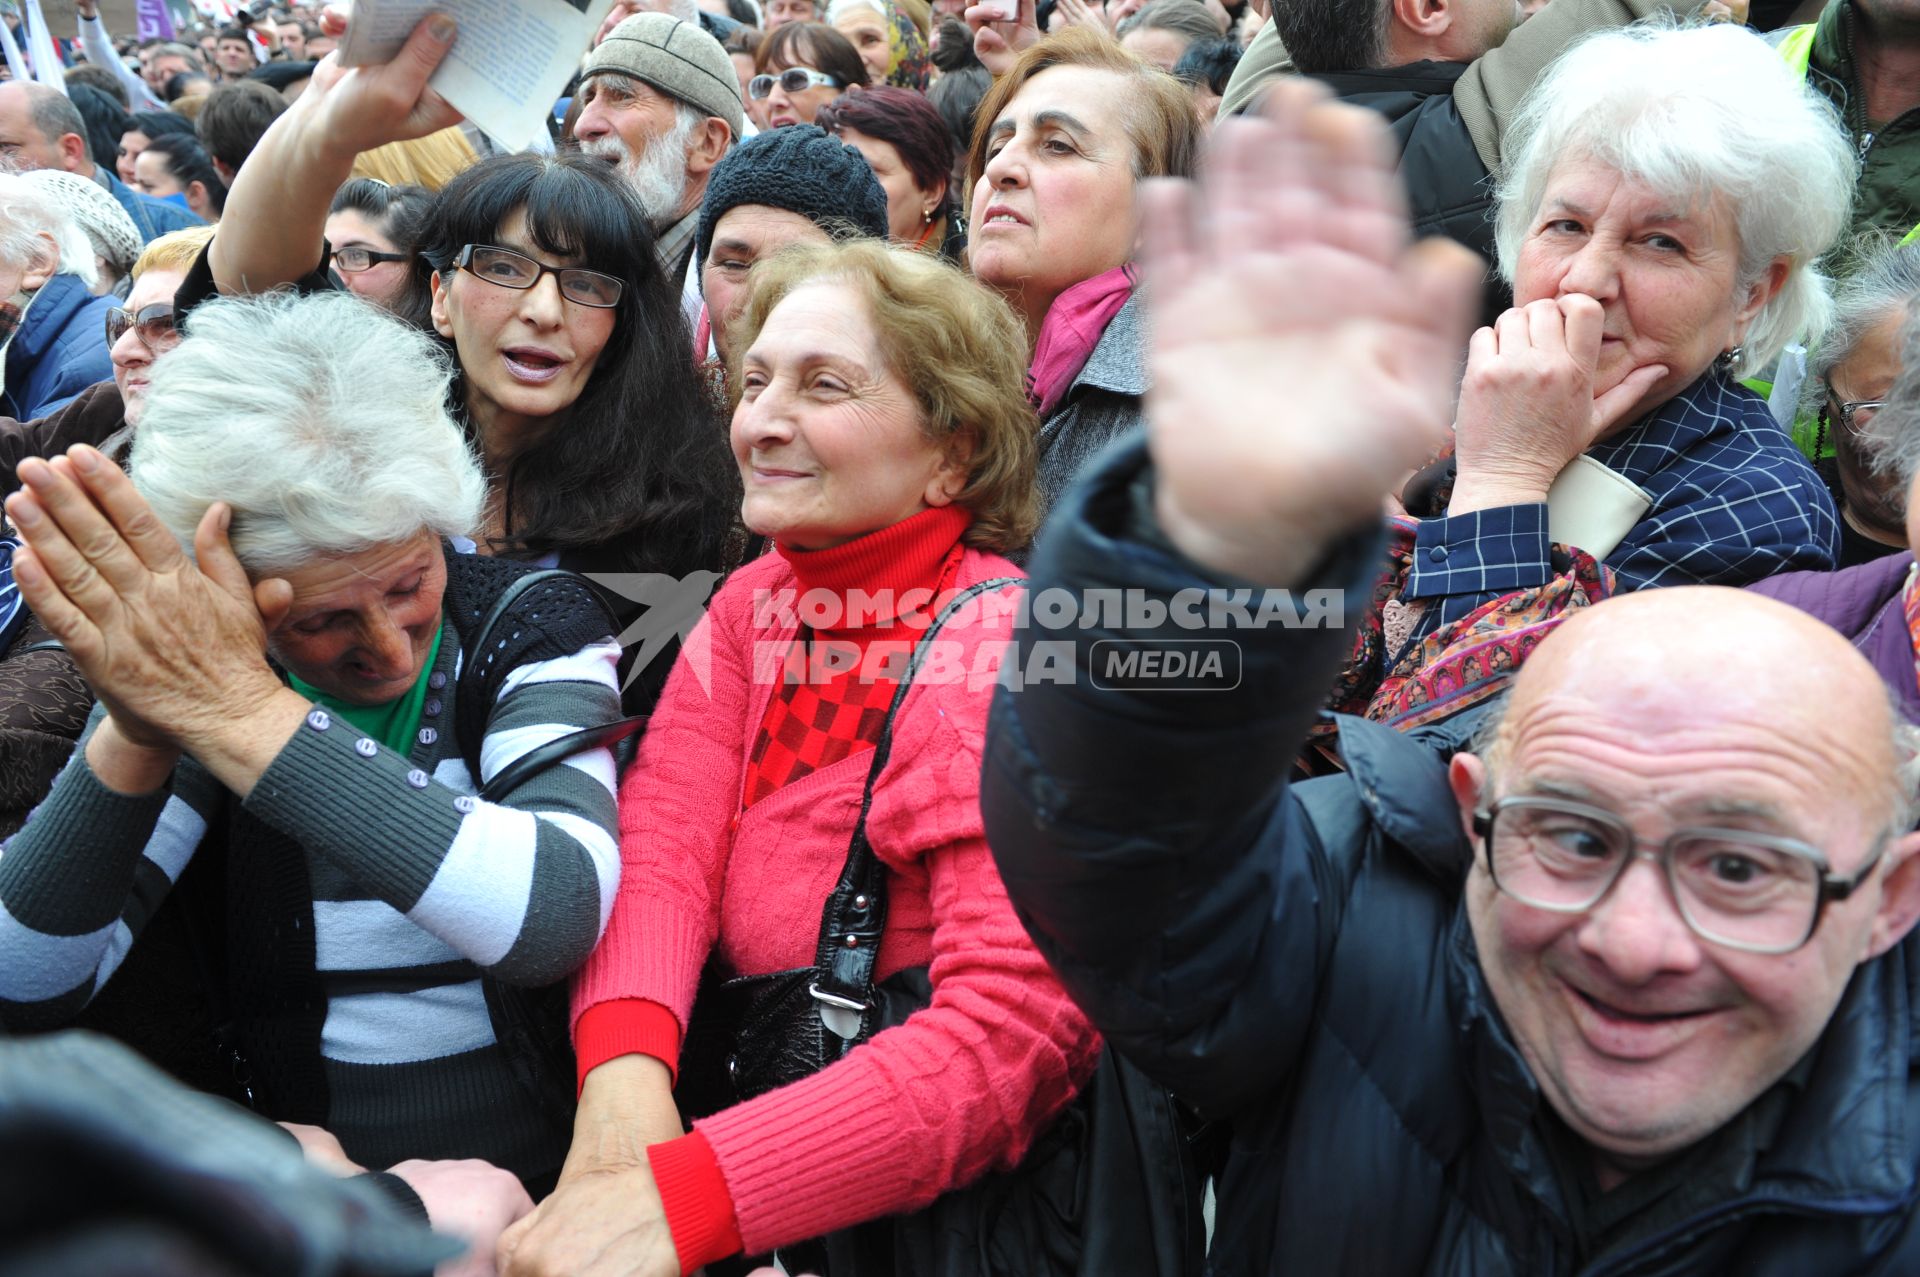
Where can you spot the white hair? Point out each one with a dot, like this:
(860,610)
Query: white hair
(321,420)
(839,8)
(27,213)
(658,174)
(1696,113)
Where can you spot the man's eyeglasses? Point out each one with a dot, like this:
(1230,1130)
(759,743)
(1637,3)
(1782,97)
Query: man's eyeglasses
(509,269)
(792,80)
(353,259)
(1735,888)
(153,325)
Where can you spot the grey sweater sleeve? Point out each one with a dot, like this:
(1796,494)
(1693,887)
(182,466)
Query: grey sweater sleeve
(521,887)
(81,879)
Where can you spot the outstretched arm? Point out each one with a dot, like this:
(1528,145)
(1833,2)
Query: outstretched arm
(271,232)
(1303,360)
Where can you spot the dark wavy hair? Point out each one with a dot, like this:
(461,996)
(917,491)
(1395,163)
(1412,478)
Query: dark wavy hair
(816,45)
(638,477)
(189,162)
(904,119)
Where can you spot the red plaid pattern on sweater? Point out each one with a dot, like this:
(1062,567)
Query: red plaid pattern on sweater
(812,724)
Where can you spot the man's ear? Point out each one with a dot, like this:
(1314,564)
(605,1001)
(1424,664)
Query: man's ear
(442,323)
(1424,19)
(708,146)
(1467,777)
(74,155)
(1899,896)
(44,266)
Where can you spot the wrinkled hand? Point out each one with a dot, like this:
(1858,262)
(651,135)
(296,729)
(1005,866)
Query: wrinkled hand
(1527,402)
(1303,355)
(998,43)
(607,1223)
(472,1200)
(358,108)
(626,1105)
(322,1149)
(169,646)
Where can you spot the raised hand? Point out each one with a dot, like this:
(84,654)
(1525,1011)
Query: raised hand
(997,42)
(355,109)
(1303,354)
(1527,402)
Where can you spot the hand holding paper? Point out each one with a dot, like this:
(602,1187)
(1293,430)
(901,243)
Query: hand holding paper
(358,108)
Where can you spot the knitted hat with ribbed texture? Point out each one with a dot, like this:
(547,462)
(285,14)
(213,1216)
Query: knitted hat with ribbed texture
(802,170)
(677,58)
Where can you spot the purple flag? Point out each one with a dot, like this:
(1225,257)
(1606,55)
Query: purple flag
(153,21)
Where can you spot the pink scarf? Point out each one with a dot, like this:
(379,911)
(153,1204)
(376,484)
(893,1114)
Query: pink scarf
(1073,327)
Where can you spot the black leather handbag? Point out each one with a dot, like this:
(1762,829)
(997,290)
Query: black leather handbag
(1111,1188)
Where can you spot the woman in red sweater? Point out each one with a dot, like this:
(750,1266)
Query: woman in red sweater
(887,451)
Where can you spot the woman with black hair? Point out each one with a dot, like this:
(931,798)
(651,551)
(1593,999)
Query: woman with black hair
(375,229)
(142,127)
(175,167)
(603,452)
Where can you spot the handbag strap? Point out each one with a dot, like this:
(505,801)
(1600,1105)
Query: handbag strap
(856,910)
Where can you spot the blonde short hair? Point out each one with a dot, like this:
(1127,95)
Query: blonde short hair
(431,161)
(961,351)
(176,250)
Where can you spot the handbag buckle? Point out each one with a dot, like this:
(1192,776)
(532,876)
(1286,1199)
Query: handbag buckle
(841,1015)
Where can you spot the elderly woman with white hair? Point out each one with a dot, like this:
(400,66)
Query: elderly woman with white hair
(1852,373)
(300,744)
(1876,603)
(51,324)
(1669,195)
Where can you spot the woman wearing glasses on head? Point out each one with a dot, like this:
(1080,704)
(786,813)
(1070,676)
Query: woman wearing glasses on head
(803,66)
(375,229)
(602,451)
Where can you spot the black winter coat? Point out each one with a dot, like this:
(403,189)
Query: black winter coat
(1296,960)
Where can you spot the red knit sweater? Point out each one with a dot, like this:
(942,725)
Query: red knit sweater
(958,1090)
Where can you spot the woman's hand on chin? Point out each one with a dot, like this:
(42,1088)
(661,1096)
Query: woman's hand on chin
(1528,405)
(1303,353)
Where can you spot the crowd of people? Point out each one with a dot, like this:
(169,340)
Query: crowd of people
(963,640)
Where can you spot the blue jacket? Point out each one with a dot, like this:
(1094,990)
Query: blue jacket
(60,349)
(1295,960)
(151,217)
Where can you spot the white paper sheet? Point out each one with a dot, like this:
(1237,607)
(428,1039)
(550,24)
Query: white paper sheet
(509,62)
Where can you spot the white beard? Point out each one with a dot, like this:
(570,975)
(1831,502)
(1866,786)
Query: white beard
(657,175)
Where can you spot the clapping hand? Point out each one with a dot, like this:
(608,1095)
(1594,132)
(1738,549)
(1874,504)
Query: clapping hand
(1303,352)
(172,648)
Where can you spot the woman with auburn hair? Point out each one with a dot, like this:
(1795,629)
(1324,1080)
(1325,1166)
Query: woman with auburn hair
(888,453)
(1063,143)
(907,145)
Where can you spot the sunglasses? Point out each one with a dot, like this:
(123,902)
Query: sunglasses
(792,80)
(509,269)
(151,324)
(355,259)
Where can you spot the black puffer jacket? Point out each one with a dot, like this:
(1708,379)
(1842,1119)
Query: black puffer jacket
(1295,959)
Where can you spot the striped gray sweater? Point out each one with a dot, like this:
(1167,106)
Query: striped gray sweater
(418,888)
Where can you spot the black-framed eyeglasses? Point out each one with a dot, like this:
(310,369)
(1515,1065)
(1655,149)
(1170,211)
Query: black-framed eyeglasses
(1853,415)
(354,258)
(151,324)
(509,269)
(792,80)
(1736,888)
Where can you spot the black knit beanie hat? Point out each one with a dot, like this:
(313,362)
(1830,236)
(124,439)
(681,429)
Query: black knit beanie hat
(802,170)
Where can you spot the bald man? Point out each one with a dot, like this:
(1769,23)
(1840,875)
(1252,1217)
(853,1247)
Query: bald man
(1622,982)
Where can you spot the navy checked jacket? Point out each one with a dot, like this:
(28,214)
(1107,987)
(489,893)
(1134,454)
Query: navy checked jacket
(1733,501)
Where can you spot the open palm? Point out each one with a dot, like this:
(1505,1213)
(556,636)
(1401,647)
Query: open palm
(1304,355)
